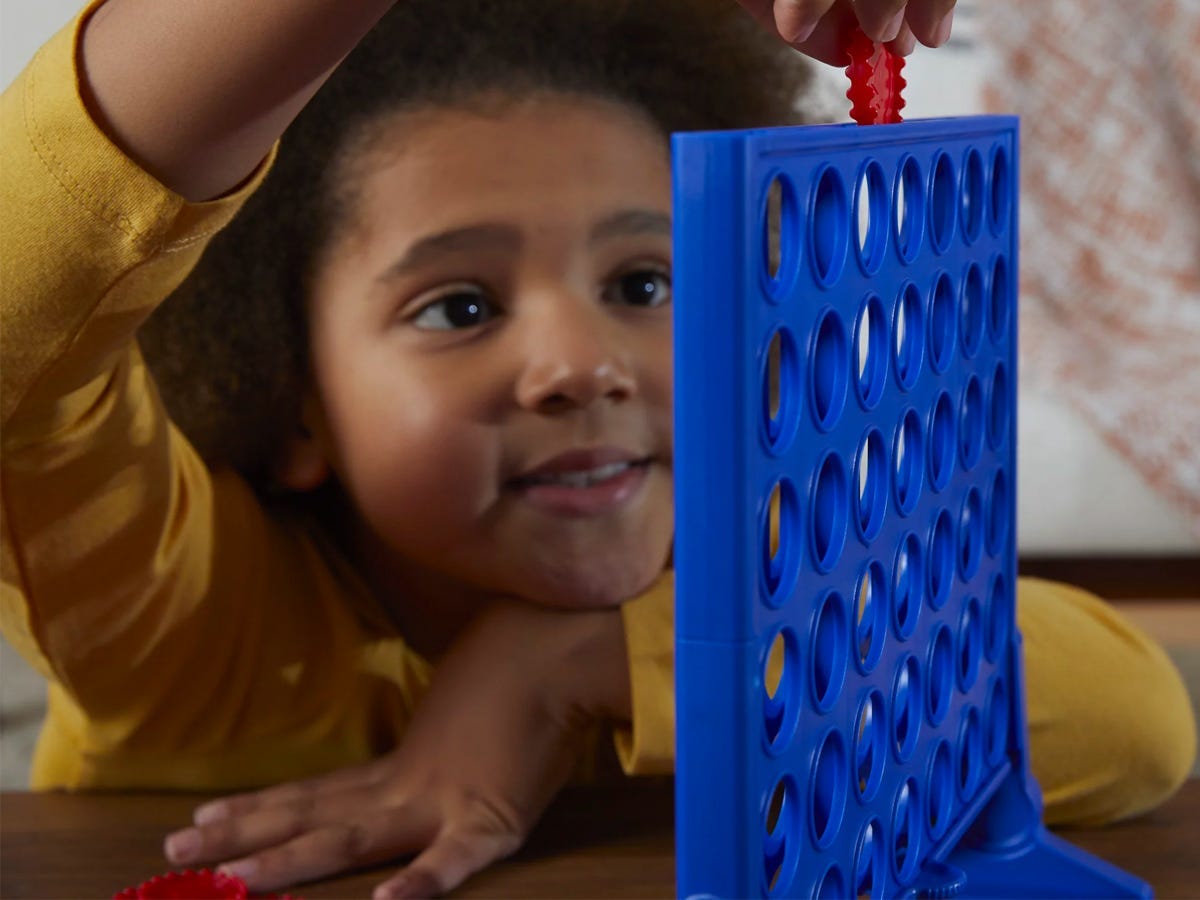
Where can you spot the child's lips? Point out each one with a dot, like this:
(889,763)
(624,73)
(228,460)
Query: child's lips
(580,493)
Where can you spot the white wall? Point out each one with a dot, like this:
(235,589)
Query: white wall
(24,26)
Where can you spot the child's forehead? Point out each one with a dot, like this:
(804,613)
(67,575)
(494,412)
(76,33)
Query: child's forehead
(542,152)
(487,124)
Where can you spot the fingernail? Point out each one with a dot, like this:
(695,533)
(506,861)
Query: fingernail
(803,31)
(390,890)
(183,846)
(942,34)
(244,869)
(210,812)
(892,28)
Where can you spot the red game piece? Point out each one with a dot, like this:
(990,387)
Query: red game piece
(188,885)
(875,81)
(204,884)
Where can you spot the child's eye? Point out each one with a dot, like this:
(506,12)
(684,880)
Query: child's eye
(640,287)
(461,307)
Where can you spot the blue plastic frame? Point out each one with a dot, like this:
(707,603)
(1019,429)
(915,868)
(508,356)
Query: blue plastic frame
(890,759)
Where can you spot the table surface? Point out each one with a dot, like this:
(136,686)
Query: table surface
(615,842)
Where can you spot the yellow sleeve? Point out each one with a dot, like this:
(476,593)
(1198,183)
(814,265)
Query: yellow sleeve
(190,641)
(647,745)
(89,245)
(1111,728)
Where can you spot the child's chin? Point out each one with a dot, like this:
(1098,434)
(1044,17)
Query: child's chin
(595,589)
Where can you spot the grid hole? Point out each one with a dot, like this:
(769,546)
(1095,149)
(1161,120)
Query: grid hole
(829,643)
(869,878)
(973,309)
(906,832)
(906,708)
(833,885)
(780,673)
(908,462)
(998,514)
(909,343)
(941,675)
(970,639)
(941,790)
(774,227)
(871,214)
(780,374)
(999,406)
(870,616)
(830,370)
(870,746)
(942,446)
(829,781)
(830,232)
(970,534)
(780,522)
(830,512)
(970,754)
(942,323)
(780,822)
(941,560)
(971,427)
(943,202)
(998,300)
(909,209)
(872,481)
(870,345)
(1001,189)
(996,630)
(997,721)
(907,586)
(780,226)
(973,201)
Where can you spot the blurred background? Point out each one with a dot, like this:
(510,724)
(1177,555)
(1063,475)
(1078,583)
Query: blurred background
(1109,412)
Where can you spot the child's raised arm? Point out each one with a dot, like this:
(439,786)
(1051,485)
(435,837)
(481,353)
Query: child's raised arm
(197,91)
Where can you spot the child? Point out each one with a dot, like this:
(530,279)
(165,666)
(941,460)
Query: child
(406,531)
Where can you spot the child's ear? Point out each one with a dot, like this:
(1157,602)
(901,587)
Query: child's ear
(303,464)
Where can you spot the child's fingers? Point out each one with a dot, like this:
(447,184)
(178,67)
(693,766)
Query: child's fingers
(232,836)
(930,20)
(904,43)
(881,20)
(825,40)
(457,854)
(363,840)
(292,793)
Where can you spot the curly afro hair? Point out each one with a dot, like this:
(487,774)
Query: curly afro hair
(229,348)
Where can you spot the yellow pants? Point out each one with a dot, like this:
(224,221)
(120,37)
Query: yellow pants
(1111,728)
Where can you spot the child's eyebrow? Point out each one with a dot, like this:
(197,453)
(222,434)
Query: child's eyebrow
(470,239)
(493,236)
(631,221)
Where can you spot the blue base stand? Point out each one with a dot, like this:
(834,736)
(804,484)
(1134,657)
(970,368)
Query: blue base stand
(1009,853)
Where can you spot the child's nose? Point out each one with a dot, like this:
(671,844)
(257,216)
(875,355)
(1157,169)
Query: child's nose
(574,363)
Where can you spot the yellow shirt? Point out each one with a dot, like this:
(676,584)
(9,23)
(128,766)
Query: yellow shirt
(190,640)
(193,642)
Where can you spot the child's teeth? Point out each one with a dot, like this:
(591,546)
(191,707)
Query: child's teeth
(583,479)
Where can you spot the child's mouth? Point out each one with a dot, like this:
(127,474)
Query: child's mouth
(583,490)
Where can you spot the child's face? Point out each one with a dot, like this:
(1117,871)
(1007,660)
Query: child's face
(491,342)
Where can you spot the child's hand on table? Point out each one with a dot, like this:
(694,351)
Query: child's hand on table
(819,28)
(496,737)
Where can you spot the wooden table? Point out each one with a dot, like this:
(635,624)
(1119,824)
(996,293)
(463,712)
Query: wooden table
(614,843)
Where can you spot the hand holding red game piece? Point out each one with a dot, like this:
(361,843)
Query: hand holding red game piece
(819,28)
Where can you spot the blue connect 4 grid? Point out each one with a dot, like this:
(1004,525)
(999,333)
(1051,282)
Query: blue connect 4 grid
(851,715)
